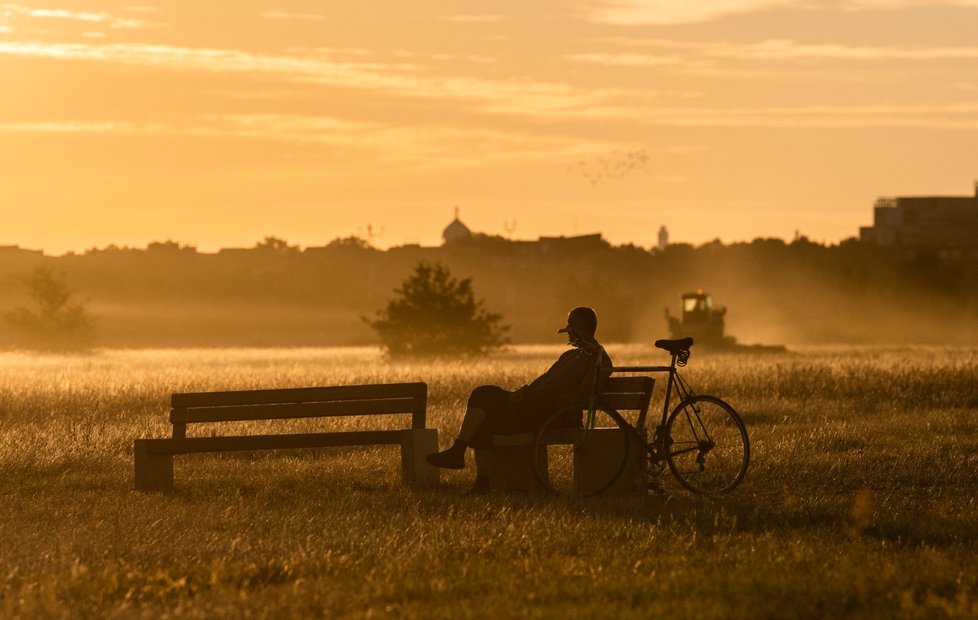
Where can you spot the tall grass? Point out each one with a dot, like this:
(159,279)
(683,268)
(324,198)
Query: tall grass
(860,500)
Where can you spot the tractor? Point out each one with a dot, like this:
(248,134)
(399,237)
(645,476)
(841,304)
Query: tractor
(701,320)
(704,322)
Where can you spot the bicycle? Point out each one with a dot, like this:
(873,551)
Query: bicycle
(703,440)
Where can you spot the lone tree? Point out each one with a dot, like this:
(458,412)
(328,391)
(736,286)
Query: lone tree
(54,322)
(434,313)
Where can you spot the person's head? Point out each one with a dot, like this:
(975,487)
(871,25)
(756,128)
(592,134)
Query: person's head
(581,324)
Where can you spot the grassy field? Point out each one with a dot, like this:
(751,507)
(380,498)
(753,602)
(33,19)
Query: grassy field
(861,499)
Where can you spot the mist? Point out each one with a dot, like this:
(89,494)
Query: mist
(798,293)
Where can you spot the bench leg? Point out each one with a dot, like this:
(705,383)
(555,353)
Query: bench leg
(510,468)
(596,462)
(416,444)
(154,471)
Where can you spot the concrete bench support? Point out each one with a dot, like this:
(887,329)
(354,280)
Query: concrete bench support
(416,443)
(154,470)
(509,464)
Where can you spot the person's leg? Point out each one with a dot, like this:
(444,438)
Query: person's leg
(482,401)
(454,457)
(481,474)
(471,423)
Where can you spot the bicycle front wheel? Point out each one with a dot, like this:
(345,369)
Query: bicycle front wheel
(707,445)
(571,460)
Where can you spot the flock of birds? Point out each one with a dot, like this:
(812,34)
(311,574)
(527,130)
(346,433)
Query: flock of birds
(617,165)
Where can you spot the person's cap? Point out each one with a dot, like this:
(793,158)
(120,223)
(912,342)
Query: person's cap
(582,319)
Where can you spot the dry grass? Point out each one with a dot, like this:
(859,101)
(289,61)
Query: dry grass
(860,500)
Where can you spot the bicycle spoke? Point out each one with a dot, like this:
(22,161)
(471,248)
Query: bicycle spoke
(580,461)
(709,450)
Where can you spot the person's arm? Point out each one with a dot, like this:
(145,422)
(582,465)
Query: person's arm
(521,393)
(598,359)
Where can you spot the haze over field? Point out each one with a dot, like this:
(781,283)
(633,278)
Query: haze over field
(219,123)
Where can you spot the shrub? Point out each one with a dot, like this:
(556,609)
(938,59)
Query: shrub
(434,313)
(54,322)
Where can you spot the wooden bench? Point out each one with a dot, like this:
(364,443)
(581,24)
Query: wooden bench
(154,457)
(509,461)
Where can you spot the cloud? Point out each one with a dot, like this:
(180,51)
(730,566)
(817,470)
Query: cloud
(476,58)
(74,127)
(950,116)
(308,17)
(693,53)
(472,19)
(867,5)
(503,96)
(629,59)
(109,20)
(670,12)
(413,146)
(666,12)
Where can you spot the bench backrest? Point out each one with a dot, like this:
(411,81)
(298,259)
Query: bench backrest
(629,393)
(346,400)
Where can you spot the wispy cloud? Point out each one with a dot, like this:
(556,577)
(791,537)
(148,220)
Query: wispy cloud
(472,19)
(78,127)
(88,17)
(670,12)
(411,146)
(862,5)
(665,12)
(958,116)
(504,96)
(687,53)
(629,59)
(307,17)
(476,58)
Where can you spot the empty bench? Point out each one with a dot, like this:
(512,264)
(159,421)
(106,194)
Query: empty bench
(154,457)
(509,460)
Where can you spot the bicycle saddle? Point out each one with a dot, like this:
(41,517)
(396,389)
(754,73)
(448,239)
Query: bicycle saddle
(675,346)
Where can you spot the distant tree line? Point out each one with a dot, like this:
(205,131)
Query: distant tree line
(278,294)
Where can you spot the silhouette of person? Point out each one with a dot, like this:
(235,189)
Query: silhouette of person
(566,386)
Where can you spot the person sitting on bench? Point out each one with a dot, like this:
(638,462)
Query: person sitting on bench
(566,386)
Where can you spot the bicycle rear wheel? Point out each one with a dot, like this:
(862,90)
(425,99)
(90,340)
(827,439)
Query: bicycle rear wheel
(707,445)
(570,460)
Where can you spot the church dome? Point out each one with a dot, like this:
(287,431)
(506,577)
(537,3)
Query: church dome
(456,230)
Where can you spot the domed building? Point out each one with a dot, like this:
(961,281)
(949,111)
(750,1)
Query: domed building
(456,230)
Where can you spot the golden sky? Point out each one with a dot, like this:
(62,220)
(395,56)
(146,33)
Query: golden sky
(217,123)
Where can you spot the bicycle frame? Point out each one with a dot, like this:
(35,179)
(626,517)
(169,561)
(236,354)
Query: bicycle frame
(655,448)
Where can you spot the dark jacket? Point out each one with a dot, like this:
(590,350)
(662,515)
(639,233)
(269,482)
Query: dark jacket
(567,384)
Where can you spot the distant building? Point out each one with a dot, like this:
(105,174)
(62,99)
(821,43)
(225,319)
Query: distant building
(456,230)
(947,225)
(579,243)
(663,238)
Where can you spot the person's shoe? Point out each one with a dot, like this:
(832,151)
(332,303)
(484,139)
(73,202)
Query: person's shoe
(447,459)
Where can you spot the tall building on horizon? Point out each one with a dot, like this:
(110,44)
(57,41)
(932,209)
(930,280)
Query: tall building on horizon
(946,225)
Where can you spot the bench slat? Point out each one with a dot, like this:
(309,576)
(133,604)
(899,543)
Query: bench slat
(239,413)
(272,442)
(627,401)
(297,395)
(629,384)
(554,437)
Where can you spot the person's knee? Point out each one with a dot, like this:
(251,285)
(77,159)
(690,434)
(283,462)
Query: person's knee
(482,396)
